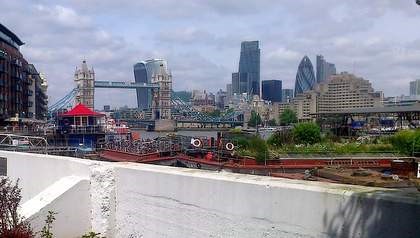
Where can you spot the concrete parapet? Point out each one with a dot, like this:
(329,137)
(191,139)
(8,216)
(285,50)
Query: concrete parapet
(140,200)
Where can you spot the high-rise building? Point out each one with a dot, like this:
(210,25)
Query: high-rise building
(415,87)
(324,69)
(286,95)
(143,73)
(249,68)
(140,76)
(37,93)
(13,78)
(346,91)
(235,83)
(85,80)
(229,92)
(272,90)
(341,92)
(305,77)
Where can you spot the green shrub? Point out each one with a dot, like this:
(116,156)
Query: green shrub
(307,133)
(287,117)
(280,138)
(259,147)
(406,142)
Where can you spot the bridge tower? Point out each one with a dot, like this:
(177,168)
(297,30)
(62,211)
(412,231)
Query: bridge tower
(85,81)
(161,103)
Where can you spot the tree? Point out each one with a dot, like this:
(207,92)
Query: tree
(307,133)
(11,224)
(288,117)
(254,120)
(272,122)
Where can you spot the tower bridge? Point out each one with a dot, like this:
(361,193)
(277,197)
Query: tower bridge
(163,105)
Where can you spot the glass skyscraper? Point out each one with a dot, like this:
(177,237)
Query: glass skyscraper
(140,76)
(249,68)
(271,90)
(324,69)
(143,73)
(305,77)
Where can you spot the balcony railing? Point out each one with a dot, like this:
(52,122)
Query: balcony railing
(97,129)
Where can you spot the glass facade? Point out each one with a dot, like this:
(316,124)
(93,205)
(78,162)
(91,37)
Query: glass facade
(272,90)
(143,73)
(235,83)
(305,77)
(249,68)
(324,69)
(140,76)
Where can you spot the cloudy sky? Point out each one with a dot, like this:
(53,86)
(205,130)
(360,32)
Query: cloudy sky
(377,39)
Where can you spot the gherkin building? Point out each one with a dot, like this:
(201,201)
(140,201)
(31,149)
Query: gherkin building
(305,76)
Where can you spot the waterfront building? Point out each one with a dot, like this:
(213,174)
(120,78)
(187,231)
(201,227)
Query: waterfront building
(249,68)
(286,95)
(324,69)
(343,91)
(37,94)
(415,87)
(272,90)
(305,77)
(85,81)
(203,101)
(347,91)
(401,101)
(14,90)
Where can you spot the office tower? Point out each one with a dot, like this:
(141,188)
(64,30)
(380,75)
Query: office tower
(249,68)
(305,78)
(286,95)
(140,76)
(143,73)
(272,90)
(235,83)
(324,69)
(415,87)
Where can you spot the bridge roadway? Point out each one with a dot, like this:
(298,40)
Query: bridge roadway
(134,85)
(189,123)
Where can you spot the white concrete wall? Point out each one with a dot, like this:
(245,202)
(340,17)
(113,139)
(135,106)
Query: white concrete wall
(139,200)
(37,171)
(153,201)
(69,197)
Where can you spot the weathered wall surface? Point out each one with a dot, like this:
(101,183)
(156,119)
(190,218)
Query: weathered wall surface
(36,172)
(139,200)
(178,202)
(69,197)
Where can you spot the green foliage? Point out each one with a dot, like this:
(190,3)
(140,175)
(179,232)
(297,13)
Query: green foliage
(288,117)
(255,119)
(259,148)
(92,235)
(235,130)
(407,142)
(46,230)
(307,133)
(280,138)
(11,224)
(272,122)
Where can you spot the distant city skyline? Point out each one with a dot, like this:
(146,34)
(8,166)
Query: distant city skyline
(202,49)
